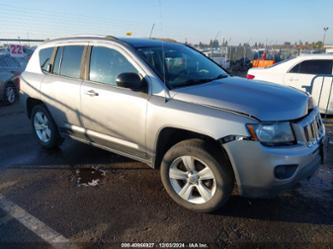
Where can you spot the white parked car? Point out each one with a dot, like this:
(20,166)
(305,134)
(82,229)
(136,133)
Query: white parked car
(300,72)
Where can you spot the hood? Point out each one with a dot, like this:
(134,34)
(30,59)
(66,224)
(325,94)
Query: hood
(264,101)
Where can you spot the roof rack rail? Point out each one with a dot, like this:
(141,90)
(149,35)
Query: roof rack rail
(73,37)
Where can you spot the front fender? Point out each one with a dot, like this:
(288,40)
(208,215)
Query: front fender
(203,120)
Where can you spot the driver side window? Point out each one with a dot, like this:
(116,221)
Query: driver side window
(106,64)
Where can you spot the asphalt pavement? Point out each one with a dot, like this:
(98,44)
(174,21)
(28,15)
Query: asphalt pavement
(82,197)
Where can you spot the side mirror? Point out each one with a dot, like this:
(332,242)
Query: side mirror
(131,81)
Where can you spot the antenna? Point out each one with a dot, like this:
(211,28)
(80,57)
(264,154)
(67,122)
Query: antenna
(151,31)
(163,55)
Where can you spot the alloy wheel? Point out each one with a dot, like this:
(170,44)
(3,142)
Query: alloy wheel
(192,179)
(41,125)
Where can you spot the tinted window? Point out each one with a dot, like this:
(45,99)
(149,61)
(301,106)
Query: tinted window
(45,58)
(9,62)
(106,64)
(71,61)
(313,67)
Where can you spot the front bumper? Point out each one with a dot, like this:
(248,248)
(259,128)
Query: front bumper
(254,165)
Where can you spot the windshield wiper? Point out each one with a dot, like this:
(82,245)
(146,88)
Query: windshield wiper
(220,76)
(202,81)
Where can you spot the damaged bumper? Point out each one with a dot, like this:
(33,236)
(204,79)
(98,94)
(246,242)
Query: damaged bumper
(263,171)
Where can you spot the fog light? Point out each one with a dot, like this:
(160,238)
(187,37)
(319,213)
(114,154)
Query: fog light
(285,171)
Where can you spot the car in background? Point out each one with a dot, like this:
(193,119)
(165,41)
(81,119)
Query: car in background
(23,61)
(28,51)
(10,70)
(3,51)
(312,73)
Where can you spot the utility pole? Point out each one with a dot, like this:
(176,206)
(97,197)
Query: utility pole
(324,37)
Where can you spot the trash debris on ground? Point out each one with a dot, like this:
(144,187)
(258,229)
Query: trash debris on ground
(89,177)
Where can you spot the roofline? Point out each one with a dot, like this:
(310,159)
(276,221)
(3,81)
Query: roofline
(80,38)
(314,55)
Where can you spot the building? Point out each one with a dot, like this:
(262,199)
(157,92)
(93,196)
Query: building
(329,48)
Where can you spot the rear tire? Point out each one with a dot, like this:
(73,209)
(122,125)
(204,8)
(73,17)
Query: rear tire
(197,175)
(10,94)
(44,127)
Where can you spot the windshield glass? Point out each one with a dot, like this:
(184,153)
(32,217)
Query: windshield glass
(180,66)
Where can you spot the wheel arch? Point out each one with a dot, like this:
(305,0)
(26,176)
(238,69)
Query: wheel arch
(30,103)
(169,136)
(9,82)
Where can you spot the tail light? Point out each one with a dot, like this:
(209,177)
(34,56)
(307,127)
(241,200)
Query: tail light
(250,76)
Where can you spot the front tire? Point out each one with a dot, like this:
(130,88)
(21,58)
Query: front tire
(197,176)
(44,128)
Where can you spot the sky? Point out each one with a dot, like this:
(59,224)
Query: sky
(237,22)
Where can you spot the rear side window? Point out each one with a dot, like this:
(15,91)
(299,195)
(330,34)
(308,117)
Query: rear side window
(45,58)
(106,64)
(313,67)
(68,61)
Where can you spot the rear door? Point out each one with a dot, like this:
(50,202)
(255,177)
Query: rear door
(61,87)
(302,74)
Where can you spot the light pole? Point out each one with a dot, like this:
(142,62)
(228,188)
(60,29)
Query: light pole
(324,37)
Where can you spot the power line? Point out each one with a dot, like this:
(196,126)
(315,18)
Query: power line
(20,40)
(70,14)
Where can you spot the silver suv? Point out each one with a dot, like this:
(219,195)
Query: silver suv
(169,106)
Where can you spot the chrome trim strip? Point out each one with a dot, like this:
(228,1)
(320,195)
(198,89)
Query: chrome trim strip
(101,136)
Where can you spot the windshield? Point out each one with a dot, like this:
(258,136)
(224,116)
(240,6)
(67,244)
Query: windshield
(180,66)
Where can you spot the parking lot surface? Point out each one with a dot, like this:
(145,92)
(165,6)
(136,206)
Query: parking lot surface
(83,197)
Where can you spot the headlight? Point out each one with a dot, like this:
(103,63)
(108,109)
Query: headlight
(272,133)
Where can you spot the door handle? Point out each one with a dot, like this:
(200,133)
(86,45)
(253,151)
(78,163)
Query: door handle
(91,93)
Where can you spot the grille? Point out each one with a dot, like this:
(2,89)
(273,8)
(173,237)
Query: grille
(310,130)
(313,131)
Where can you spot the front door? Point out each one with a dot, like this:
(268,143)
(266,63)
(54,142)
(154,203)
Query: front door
(112,116)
